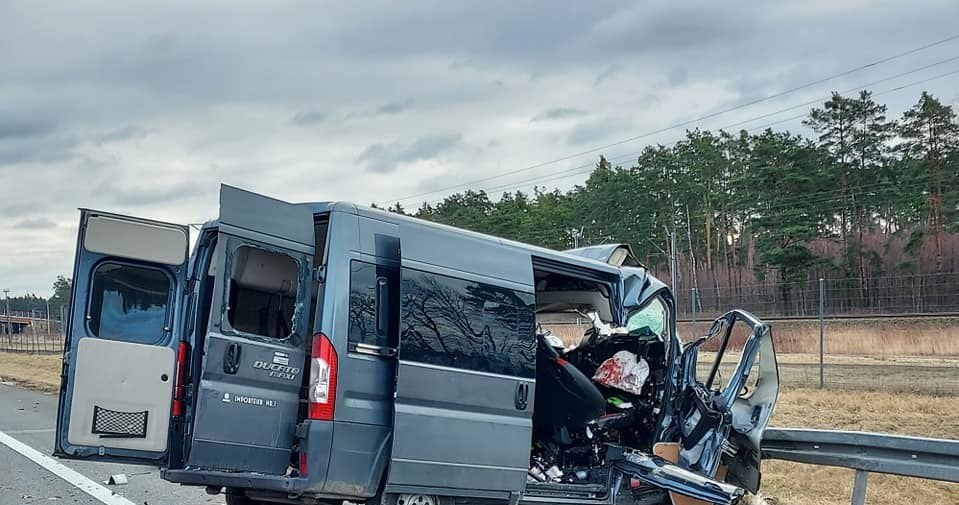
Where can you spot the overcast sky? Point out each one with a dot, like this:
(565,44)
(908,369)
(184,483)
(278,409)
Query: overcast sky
(146,107)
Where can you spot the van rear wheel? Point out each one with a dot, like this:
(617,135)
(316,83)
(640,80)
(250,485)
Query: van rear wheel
(412,499)
(416,499)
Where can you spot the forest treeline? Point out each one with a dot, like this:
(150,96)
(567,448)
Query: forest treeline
(864,195)
(867,201)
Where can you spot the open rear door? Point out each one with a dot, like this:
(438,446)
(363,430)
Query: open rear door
(119,357)
(254,351)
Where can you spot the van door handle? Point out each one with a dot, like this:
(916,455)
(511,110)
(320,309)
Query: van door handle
(522,395)
(381,305)
(231,358)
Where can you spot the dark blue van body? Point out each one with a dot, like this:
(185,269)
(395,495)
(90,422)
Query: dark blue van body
(328,352)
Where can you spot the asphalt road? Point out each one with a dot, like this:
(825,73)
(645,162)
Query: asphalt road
(30,417)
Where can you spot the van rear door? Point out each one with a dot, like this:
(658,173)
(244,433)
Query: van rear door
(119,360)
(254,351)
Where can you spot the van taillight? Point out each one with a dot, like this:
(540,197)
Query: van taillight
(179,389)
(302,463)
(322,390)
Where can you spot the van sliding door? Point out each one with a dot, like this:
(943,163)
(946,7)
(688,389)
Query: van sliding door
(465,386)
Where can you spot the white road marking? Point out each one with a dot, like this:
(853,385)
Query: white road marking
(66,473)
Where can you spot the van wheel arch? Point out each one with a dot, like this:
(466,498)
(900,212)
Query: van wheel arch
(409,499)
(235,496)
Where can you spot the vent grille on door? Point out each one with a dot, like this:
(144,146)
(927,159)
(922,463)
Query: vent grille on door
(116,424)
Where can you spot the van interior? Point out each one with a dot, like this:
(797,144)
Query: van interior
(263,286)
(599,394)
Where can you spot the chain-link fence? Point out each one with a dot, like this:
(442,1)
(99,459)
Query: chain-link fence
(31,343)
(892,333)
(27,332)
(867,296)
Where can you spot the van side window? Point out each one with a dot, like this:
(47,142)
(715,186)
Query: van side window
(465,324)
(370,287)
(263,286)
(129,303)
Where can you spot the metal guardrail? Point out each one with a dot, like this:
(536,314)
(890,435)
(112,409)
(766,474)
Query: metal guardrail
(926,458)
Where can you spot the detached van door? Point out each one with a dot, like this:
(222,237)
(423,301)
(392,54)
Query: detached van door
(254,352)
(119,357)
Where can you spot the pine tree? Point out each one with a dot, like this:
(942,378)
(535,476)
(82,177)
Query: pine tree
(929,132)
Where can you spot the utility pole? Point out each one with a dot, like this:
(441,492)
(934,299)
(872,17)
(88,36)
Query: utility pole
(672,258)
(672,261)
(577,235)
(48,316)
(60,303)
(9,326)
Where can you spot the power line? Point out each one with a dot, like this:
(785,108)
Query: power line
(850,90)
(684,123)
(586,168)
(880,93)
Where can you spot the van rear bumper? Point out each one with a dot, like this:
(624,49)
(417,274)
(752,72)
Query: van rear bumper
(291,485)
(315,439)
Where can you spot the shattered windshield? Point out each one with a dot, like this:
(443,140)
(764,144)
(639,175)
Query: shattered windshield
(649,321)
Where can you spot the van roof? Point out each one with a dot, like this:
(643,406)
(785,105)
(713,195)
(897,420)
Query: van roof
(392,217)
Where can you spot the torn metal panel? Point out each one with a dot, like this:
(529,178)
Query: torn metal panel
(663,474)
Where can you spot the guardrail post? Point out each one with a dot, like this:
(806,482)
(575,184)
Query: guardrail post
(859,488)
(822,331)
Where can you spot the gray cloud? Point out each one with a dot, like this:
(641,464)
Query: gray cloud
(14,128)
(598,131)
(384,158)
(35,224)
(209,93)
(21,209)
(395,107)
(678,76)
(142,195)
(123,133)
(38,149)
(558,113)
(308,118)
(609,73)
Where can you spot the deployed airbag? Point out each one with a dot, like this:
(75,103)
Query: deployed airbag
(623,371)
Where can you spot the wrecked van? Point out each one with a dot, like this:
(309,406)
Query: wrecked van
(327,352)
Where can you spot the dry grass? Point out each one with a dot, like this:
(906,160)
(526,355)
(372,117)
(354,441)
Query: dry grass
(37,371)
(796,484)
(882,338)
(783,482)
(886,338)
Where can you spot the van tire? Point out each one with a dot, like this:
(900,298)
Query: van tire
(409,499)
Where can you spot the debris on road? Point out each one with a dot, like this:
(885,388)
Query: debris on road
(118,479)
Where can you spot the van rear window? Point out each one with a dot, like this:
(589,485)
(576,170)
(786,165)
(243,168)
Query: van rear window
(263,291)
(466,324)
(129,303)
